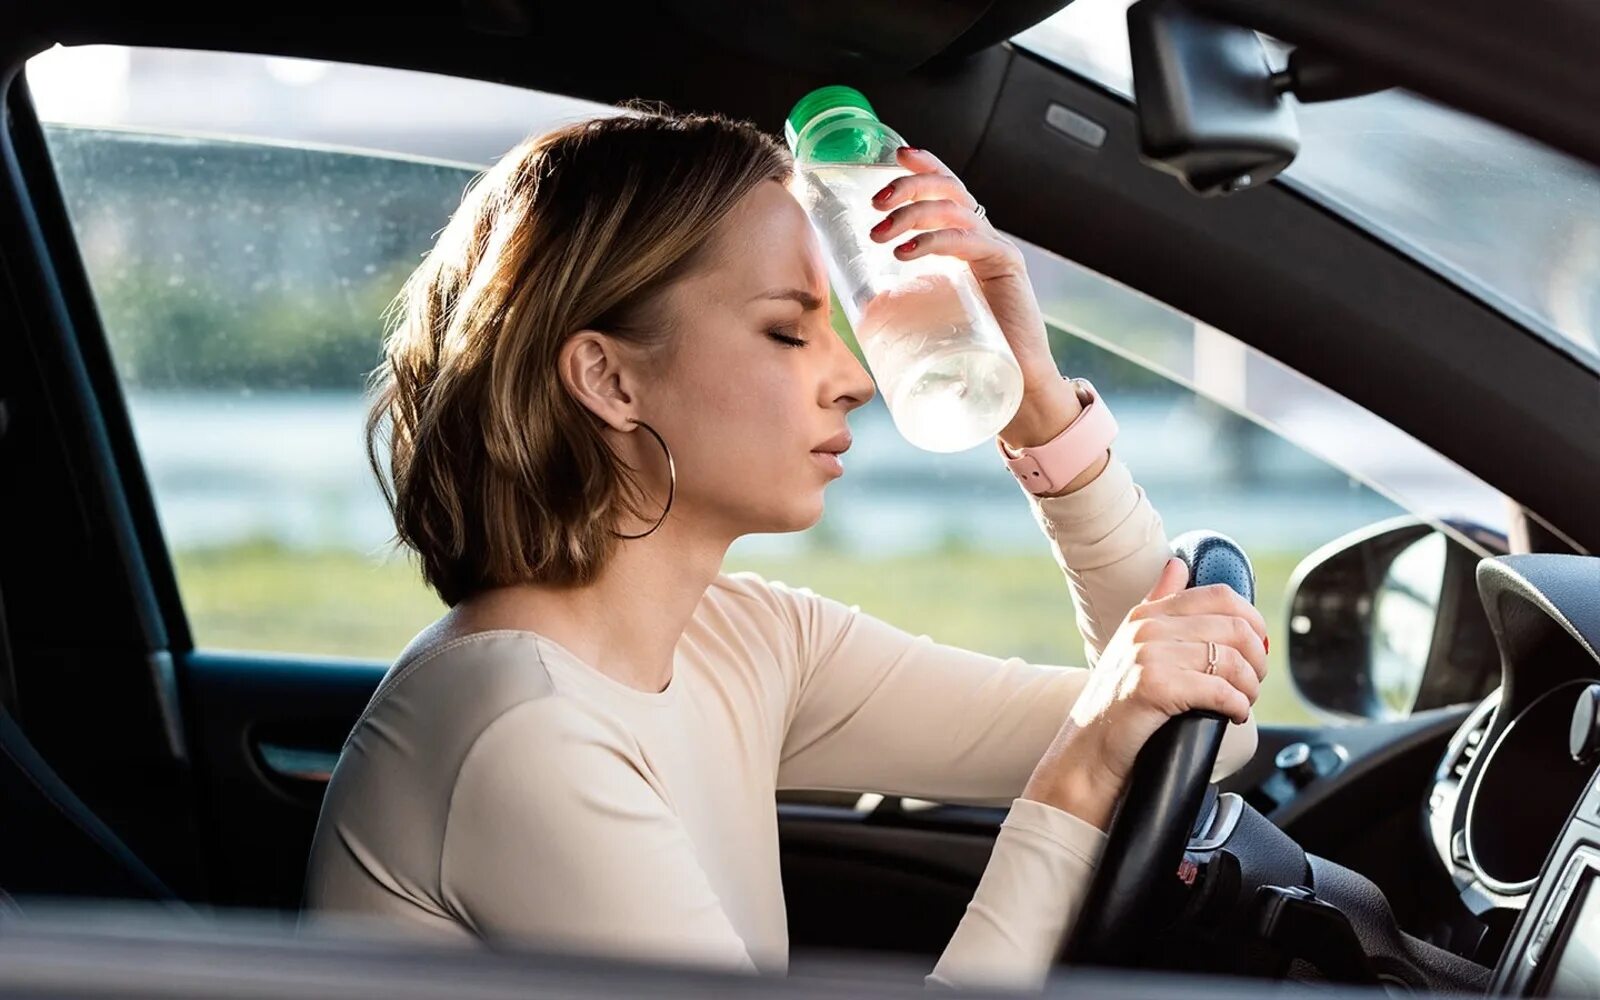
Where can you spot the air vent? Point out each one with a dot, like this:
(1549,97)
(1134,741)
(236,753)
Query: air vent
(1469,750)
(1468,743)
(1443,814)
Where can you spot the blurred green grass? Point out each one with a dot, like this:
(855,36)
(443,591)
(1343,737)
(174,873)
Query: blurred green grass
(260,596)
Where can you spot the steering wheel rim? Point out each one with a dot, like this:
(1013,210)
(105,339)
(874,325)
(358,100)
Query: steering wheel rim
(1136,886)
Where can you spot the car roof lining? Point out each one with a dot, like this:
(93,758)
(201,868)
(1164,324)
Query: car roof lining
(750,60)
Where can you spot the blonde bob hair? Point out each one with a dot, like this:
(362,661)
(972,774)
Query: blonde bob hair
(496,475)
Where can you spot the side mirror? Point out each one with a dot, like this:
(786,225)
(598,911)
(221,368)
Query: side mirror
(1210,108)
(1386,621)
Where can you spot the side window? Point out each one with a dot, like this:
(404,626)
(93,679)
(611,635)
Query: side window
(244,221)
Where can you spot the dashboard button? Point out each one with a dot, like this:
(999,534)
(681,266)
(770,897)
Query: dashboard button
(1296,760)
(1298,764)
(1583,736)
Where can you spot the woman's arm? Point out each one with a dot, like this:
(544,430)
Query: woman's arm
(555,835)
(1039,871)
(874,708)
(1107,537)
(896,712)
(916,714)
(1110,543)
(877,708)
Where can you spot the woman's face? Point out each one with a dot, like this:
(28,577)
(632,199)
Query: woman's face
(743,410)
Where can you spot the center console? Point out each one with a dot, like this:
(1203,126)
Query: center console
(1555,946)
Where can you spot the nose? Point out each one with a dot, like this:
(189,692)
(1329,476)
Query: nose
(854,383)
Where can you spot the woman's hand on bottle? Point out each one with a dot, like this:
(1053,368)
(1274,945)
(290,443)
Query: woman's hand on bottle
(935,207)
(1153,668)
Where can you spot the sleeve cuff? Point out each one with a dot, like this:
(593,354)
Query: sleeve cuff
(1104,523)
(1104,500)
(1030,893)
(1059,827)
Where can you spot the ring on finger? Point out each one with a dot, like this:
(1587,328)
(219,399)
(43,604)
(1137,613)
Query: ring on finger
(980,211)
(1211,657)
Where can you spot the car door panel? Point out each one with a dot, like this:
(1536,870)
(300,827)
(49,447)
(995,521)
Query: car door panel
(242,708)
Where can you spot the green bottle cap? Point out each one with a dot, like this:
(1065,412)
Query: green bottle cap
(821,100)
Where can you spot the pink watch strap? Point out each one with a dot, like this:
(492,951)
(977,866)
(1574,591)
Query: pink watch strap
(1048,467)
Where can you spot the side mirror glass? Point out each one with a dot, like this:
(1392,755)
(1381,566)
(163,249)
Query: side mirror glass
(1404,611)
(1386,621)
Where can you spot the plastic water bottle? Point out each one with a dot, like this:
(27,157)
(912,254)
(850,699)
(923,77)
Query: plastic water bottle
(944,367)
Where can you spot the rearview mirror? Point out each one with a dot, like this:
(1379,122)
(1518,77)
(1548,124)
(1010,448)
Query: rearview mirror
(1386,621)
(1210,110)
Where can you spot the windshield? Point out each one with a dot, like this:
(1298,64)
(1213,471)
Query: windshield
(1508,219)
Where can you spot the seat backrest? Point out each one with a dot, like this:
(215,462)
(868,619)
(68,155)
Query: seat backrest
(51,844)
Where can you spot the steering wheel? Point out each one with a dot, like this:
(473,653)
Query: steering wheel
(1136,888)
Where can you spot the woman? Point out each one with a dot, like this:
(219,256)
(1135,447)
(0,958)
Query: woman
(616,361)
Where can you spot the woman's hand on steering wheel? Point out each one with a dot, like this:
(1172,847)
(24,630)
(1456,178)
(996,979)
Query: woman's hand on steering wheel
(1156,665)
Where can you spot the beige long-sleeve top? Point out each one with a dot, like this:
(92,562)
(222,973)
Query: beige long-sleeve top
(498,786)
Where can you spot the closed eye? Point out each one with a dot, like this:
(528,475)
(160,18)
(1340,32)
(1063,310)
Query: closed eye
(779,334)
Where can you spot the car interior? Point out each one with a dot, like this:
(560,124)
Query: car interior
(1445,846)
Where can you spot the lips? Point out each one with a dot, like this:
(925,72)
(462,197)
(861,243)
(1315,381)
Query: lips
(836,445)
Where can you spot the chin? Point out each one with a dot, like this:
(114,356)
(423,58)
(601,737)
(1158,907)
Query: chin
(800,517)
(815,519)
(780,511)
(806,521)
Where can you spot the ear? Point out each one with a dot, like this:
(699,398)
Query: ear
(591,366)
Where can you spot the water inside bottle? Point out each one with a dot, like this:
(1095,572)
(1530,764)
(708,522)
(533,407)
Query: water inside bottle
(939,358)
(946,392)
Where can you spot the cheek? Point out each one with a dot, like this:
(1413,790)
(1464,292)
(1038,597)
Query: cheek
(748,413)
(745,388)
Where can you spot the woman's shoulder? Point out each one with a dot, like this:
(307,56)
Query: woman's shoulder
(457,730)
(459,683)
(475,695)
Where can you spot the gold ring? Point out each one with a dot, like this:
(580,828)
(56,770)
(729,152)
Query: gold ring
(1211,657)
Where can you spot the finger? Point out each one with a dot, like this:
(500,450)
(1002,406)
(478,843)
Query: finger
(924,187)
(1211,693)
(1225,630)
(1170,657)
(964,244)
(924,215)
(1174,577)
(1216,598)
(921,161)
(1231,667)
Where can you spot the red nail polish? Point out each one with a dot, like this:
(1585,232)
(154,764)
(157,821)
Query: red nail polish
(907,246)
(911,149)
(880,227)
(1266,644)
(887,189)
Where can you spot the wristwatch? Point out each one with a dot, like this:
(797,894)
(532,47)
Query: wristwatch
(1048,467)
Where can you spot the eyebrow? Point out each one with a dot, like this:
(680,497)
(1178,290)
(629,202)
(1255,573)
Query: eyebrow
(807,301)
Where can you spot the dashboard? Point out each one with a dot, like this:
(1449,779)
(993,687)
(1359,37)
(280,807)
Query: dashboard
(1514,808)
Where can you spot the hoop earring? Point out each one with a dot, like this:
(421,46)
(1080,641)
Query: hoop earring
(672,485)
